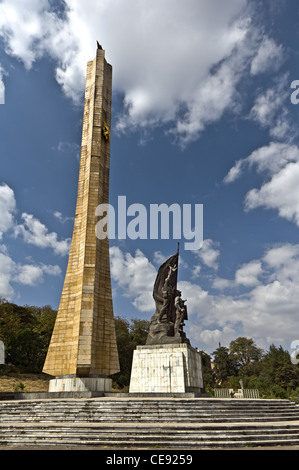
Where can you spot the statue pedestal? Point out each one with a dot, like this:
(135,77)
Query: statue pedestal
(80,384)
(167,368)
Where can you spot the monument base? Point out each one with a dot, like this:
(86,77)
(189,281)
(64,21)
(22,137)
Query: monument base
(168,368)
(80,384)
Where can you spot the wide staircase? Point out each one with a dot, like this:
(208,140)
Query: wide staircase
(168,423)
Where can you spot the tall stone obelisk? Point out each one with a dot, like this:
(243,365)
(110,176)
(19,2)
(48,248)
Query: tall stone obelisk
(83,349)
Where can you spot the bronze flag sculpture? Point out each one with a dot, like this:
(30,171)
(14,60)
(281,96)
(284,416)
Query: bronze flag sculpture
(168,320)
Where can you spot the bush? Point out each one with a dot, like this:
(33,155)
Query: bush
(26,351)
(278,392)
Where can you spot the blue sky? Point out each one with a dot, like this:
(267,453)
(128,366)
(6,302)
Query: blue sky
(202,114)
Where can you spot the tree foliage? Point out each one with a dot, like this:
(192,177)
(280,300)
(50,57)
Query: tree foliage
(224,364)
(128,335)
(26,332)
(271,372)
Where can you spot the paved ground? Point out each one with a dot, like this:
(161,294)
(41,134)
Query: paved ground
(165,424)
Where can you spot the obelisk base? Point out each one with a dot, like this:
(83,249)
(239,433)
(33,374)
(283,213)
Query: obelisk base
(80,384)
(168,368)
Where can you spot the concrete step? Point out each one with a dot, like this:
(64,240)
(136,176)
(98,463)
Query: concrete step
(148,410)
(166,437)
(202,404)
(228,443)
(151,418)
(146,423)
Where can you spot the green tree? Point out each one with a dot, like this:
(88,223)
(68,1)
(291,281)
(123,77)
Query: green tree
(139,331)
(125,351)
(13,319)
(209,377)
(128,336)
(44,320)
(26,351)
(224,364)
(278,374)
(26,333)
(245,354)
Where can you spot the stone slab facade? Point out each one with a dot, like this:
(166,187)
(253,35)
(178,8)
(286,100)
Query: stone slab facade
(84,341)
(80,384)
(170,368)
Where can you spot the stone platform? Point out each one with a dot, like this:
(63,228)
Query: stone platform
(168,368)
(80,384)
(146,423)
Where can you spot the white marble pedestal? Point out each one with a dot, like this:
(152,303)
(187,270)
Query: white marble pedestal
(169,368)
(80,384)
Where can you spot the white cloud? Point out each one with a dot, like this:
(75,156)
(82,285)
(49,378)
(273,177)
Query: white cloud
(282,128)
(234,173)
(273,157)
(16,273)
(51,270)
(36,233)
(212,338)
(266,312)
(214,95)
(159,258)
(269,159)
(25,24)
(192,57)
(7,267)
(270,109)
(68,147)
(247,275)
(7,208)
(198,300)
(30,30)
(270,309)
(222,284)
(2,86)
(135,276)
(32,275)
(63,219)
(265,106)
(280,193)
(268,58)
(32,230)
(196,37)
(195,272)
(29,275)
(209,253)
(280,162)
(281,255)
